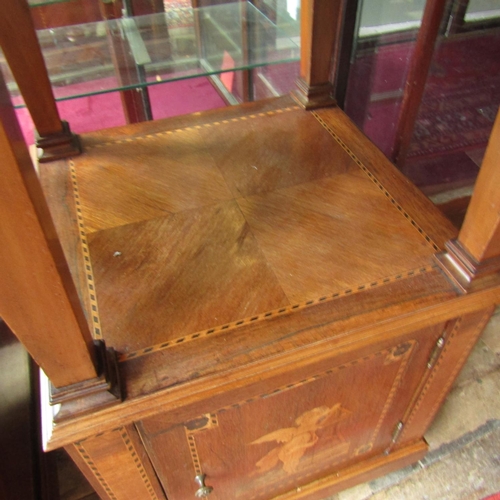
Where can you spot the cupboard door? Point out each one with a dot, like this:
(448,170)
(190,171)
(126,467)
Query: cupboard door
(276,441)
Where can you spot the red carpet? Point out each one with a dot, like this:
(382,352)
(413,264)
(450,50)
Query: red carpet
(460,102)
(105,110)
(461,98)
(457,112)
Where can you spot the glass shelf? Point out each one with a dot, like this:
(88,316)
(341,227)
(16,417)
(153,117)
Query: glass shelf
(132,53)
(41,3)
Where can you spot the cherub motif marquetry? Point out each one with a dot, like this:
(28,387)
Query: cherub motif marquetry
(293,442)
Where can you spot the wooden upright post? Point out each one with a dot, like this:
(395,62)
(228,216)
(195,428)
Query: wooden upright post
(476,252)
(38,299)
(417,76)
(321,25)
(19,43)
(480,233)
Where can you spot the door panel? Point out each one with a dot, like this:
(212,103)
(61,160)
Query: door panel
(269,444)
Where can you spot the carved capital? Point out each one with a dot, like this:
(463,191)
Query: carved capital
(57,146)
(84,397)
(312,97)
(462,268)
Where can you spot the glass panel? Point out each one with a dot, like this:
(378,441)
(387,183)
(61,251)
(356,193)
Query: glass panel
(39,3)
(387,16)
(460,100)
(479,10)
(136,52)
(457,111)
(277,79)
(383,47)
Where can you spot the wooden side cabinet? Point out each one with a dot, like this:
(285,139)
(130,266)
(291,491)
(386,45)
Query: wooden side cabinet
(308,427)
(247,303)
(276,336)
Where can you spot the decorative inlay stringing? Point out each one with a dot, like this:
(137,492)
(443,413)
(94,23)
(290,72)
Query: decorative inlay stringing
(292,442)
(196,127)
(89,274)
(372,177)
(127,441)
(95,318)
(276,312)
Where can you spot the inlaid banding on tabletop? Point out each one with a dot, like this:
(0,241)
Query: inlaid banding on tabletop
(89,273)
(374,179)
(187,128)
(125,356)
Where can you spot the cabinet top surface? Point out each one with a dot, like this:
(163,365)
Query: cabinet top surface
(210,222)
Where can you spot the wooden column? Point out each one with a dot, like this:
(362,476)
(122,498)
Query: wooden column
(476,252)
(37,296)
(38,299)
(480,234)
(417,76)
(23,53)
(321,25)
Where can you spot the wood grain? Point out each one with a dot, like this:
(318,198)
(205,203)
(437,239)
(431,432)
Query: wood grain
(480,233)
(156,176)
(18,38)
(253,298)
(38,299)
(199,226)
(268,279)
(180,274)
(309,427)
(269,152)
(321,238)
(409,200)
(320,31)
(98,459)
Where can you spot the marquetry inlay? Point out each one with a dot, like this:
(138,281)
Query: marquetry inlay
(89,273)
(398,354)
(283,448)
(277,312)
(149,231)
(134,463)
(374,179)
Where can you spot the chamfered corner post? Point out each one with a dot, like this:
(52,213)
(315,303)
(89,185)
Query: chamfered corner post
(321,26)
(38,299)
(476,251)
(414,87)
(22,51)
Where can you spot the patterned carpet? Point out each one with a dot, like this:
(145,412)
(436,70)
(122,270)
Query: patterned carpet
(460,102)
(462,96)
